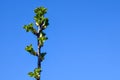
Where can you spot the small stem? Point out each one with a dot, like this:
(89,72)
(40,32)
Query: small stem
(39,52)
(39,60)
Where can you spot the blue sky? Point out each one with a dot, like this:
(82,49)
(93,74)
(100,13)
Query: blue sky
(83,44)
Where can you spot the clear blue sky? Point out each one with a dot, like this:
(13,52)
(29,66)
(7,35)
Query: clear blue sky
(84,40)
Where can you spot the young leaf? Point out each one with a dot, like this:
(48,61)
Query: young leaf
(29,28)
(30,50)
(40,10)
(43,55)
(42,38)
(46,23)
(39,17)
(31,74)
(35,74)
(37,70)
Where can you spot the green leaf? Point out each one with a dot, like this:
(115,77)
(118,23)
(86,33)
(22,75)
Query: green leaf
(37,70)
(29,28)
(30,50)
(38,20)
(36,73)
(42,38)
(43,55)
(31,74)
(40,10)
(46,23)
(39,17)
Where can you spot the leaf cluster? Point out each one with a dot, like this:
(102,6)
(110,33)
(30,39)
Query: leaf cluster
(29,28)
(42,38)
(35,73)
(30,50)
(39,17)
